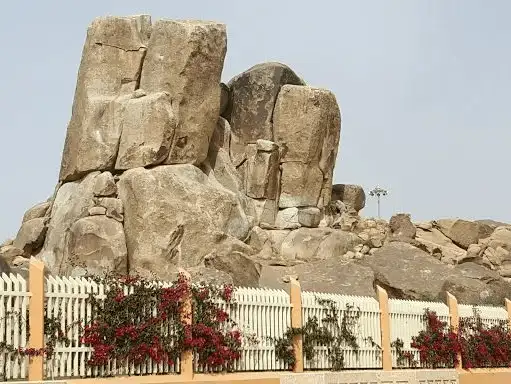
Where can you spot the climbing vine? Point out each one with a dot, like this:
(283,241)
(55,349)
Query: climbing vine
(333,330)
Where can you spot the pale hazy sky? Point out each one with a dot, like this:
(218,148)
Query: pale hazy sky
(423,87)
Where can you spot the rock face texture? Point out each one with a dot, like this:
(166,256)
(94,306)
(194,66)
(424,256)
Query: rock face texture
(110,69)
(165,167)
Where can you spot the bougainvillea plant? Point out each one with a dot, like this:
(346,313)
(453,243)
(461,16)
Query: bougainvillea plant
(484,345)
(478,344)
(140,321)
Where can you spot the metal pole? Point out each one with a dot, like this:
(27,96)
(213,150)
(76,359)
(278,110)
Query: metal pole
(379,217)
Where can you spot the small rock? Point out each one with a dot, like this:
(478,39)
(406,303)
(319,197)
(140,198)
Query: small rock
(287,219)
(358,248)
(359,255)
(105,185)
(350,194)
(266,145)
(20,261)
(364,236)
(402,227)
(36,211)
(372,251)
(309,217)
(113,206)
(365,249)
(370,223)
(349,255)
(31,235)
(7,242)
(139,93)
(96,211)
(426,225)
(10,252)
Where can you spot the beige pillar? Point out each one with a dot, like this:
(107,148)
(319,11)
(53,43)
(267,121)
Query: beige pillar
(383,299)
(452,303)
(36,318)
(508,307)
(295,294)
(186,311)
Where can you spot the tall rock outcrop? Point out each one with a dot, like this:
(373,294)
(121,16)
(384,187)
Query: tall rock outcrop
(165,167)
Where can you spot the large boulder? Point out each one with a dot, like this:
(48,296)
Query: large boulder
(410,273)
(309,244)
(350,194)
(333,275)
(174,216)
(401,226)
(252,98)
(307,125)
(472,283)
(185,59)
(233,257)
(463,232)
(262,171)
(439,245)
(37,211)
(148,125)
(110,68)
(72,202)
(97,245)
(30,237)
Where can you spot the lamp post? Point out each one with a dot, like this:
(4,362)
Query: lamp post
(378,192)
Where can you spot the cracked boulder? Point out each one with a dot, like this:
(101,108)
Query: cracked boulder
(252,97)
(72,202)
(350,194)
(464,232)
(174,216)
(110,68)
(97,245)
(409,273)
(185,59)
(307,125)
(148,125)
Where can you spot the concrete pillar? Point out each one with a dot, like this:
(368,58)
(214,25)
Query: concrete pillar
(295,294)
(36,318)
(383,299)
(452,303)
(186,311)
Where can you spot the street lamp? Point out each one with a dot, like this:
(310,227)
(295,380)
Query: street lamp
(378,192)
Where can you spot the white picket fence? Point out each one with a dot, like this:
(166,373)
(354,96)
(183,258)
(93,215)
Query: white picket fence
(14,298)
(262,314)
(407,320)
(367,328)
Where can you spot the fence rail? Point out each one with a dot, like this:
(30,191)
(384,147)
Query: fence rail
(262,314)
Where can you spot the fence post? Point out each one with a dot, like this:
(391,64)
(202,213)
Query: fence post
(383,299)
(186,311)
(36,318)
(452,303)
(295,296)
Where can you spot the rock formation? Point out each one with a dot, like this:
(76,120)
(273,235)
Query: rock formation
(164,167)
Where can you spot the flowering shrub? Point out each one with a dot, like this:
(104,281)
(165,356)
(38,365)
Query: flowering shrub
(484,346)
(439,346)
(139,320)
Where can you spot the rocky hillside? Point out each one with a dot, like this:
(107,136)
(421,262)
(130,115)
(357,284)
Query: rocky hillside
(164,167)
